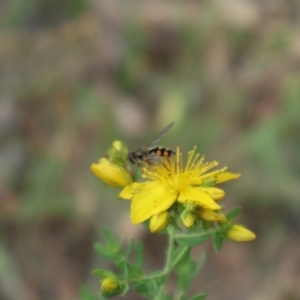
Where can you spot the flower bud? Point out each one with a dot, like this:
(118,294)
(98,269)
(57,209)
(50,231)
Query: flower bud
(187,218)
(118,149)
(240,234)
(118,146)
(110,285)
(159,221)
(211,216)
(111,173)
(117,154)
(215,193)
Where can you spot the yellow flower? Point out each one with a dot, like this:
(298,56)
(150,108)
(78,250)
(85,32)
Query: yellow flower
(159,221)
(111,173)
(240,234)
(172,182)
(110,285)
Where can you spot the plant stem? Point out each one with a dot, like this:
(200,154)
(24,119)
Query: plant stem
(168,266)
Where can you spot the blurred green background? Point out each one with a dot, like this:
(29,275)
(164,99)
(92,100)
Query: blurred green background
(76,75)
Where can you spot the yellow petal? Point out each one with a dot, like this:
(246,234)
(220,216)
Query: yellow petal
(126,193)
(240,234)
(111,174)
(193,194)
(130,190)
(226,176)
(153,199)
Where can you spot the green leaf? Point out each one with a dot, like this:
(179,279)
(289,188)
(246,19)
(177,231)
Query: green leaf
(86,294)
(233,214)
(160,279)
(147,288)
(112,250)
(183,298)
(130,272)
(167,297)
(185,273)
(173,223)
(192,239)
(180,255)
(111,239)
(139,254)
(129,248)
(200,296)
(101,273)
(125,289)
(218,241)
(107,295)
(109,253)
(201,262)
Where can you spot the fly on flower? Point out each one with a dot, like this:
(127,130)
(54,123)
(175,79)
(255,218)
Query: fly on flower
(151,155)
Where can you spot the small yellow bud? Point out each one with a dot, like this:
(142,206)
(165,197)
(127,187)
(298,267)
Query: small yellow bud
(159,221)
(111,173)
(240,234)
(118,146)
(110,285)
(117,154)
(211,216)
(119,149)
(188,219)
(214,193)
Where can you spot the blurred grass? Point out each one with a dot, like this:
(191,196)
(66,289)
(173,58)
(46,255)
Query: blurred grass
(77,75)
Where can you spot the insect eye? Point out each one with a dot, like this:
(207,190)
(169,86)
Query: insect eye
(131,157)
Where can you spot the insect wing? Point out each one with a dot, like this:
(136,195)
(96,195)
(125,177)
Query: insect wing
(161,134)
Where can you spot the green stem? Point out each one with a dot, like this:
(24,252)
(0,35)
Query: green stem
(168,267)
(194,235)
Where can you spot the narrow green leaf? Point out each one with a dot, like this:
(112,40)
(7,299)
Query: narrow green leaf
(125,289)
(183,298)
(139,254)
(180,255)
(173,223)
(185,274)
(109,253)
(167,297)
(192,239)
(160,279)
(129,248)
(101,273)
(218,241)
(233,214)
(108,295)
(111,239)
(130,272)
(201,262)
(200,296)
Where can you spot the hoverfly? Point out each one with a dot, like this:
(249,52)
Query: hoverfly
(151,156)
